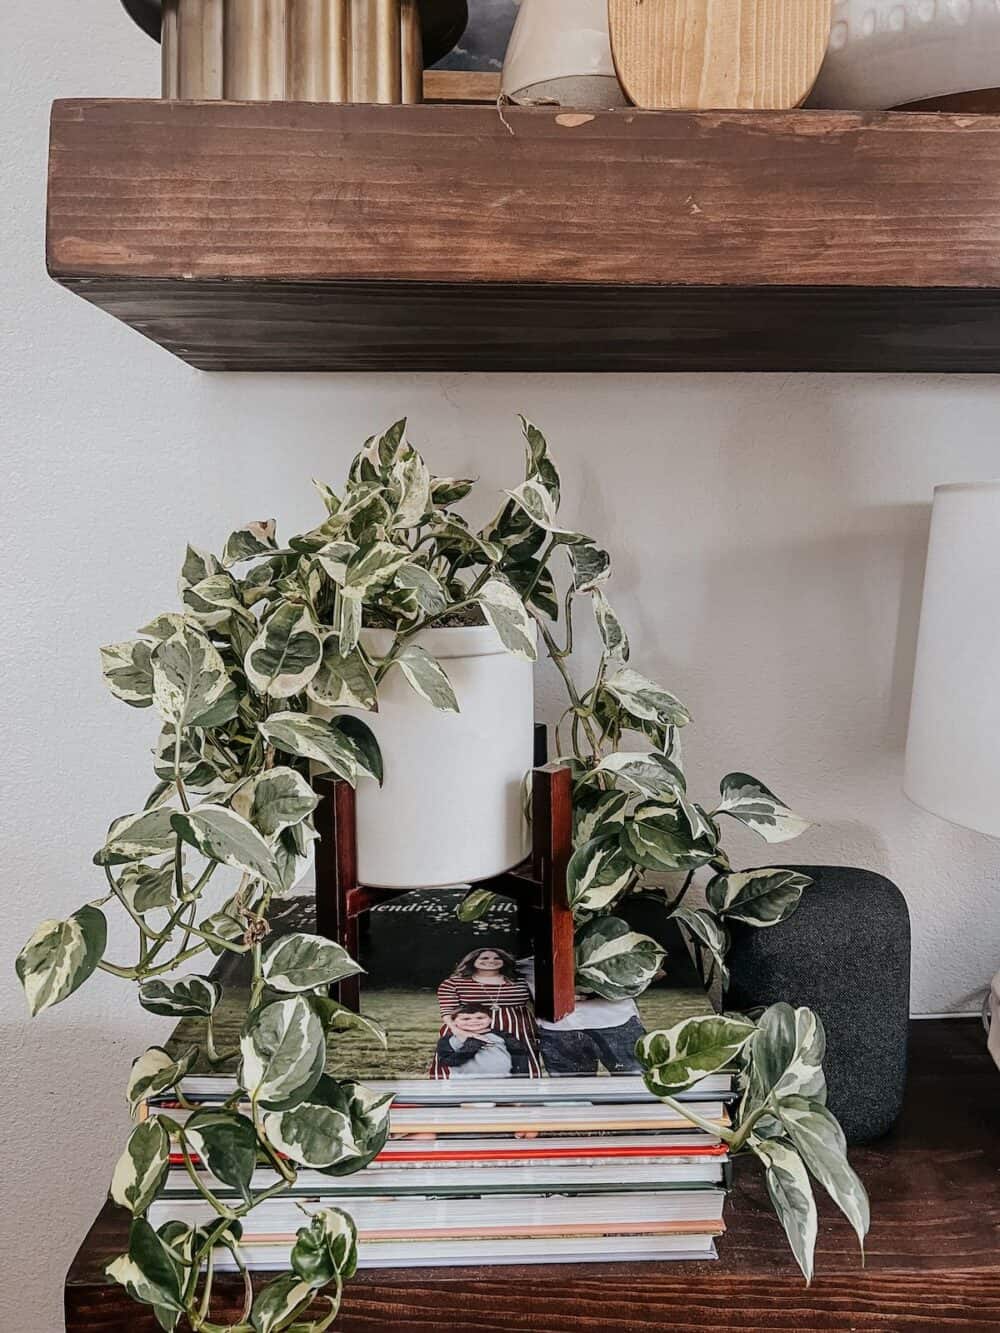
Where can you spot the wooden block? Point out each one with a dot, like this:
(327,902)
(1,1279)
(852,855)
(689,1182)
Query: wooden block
(752,55)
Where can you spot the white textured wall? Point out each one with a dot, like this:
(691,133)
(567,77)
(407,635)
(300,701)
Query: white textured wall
(770,537)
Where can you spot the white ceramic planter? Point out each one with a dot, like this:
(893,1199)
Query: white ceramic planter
(561,52)
(451,810)
(883,53)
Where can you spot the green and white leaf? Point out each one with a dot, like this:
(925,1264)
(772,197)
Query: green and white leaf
(336,1017)
(598,874)
(614,961)
(610,628)
(60,956)
(286,653)
(372,569)
(155,1071)
(187,761)
(149,1272)
(538,464)
(539,504)
(368,1113)
(819,1141)
(214,600)
(447,491)
(344,680)
(678,1058)
(327,1249)
(292,853)
(475,905)
(133,837)
(147,888)
(128,672)
(300,962)
(426,675)
(142,1167)
(227,929)
(197,565)
(591,566)
(428,590)
(749,801)
(644,700)
(283,1053)
(757,897)
(704,928)
(164,626)
(312,738)
(250,541)
(189,677)
(185,997)
(339,1128)
(508,615)
(224,836)
(312,1134)
(788,1055)
(227,1144)
(411,479)
(597,812)
(648,774)
(792,1196)
(279,1302)
(657,837)
(334,559)
(360,740)
(276,799)
(348,622)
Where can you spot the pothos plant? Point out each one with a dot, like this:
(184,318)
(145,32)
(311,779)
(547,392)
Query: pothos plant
(267,634)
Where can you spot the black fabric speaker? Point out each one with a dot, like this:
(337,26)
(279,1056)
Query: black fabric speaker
(845,953)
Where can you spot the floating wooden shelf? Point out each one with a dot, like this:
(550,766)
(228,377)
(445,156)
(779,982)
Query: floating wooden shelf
(254,236)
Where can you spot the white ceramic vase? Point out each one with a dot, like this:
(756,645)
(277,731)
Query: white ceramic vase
(561,52)
(451,810)
(884,53)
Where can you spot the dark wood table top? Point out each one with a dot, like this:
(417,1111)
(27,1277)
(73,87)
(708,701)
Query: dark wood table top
(933,1259)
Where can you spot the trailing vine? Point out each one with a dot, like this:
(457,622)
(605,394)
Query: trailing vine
(250,680)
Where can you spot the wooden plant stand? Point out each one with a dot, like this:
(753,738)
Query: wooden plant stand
(538,886)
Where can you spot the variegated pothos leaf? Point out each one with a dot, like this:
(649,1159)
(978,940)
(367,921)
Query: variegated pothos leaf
(60,956)
(614,961)
(749,801)
(678,1058)
(142,1167)
(286,654)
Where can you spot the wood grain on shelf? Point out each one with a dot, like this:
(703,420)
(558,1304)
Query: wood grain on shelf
(933,1252)
(318,237)
(757,55)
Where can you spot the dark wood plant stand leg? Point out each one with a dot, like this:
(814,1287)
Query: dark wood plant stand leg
(538,887)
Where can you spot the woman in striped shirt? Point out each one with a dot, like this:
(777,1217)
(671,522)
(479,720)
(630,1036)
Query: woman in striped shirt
(490,977)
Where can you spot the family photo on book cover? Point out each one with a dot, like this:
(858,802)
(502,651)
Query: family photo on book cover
(456,999)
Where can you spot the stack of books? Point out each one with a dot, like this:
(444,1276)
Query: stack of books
(511,1141)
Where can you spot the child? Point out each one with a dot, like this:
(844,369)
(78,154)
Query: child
(469,1049)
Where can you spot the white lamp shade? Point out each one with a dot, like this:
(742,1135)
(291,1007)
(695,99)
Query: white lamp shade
(953,748)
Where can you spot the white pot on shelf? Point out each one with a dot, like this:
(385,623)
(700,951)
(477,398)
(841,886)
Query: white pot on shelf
(561,53)
(884,53)
(451,809)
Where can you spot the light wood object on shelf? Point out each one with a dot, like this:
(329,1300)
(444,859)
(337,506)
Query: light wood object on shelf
(292,50)
(700,55)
